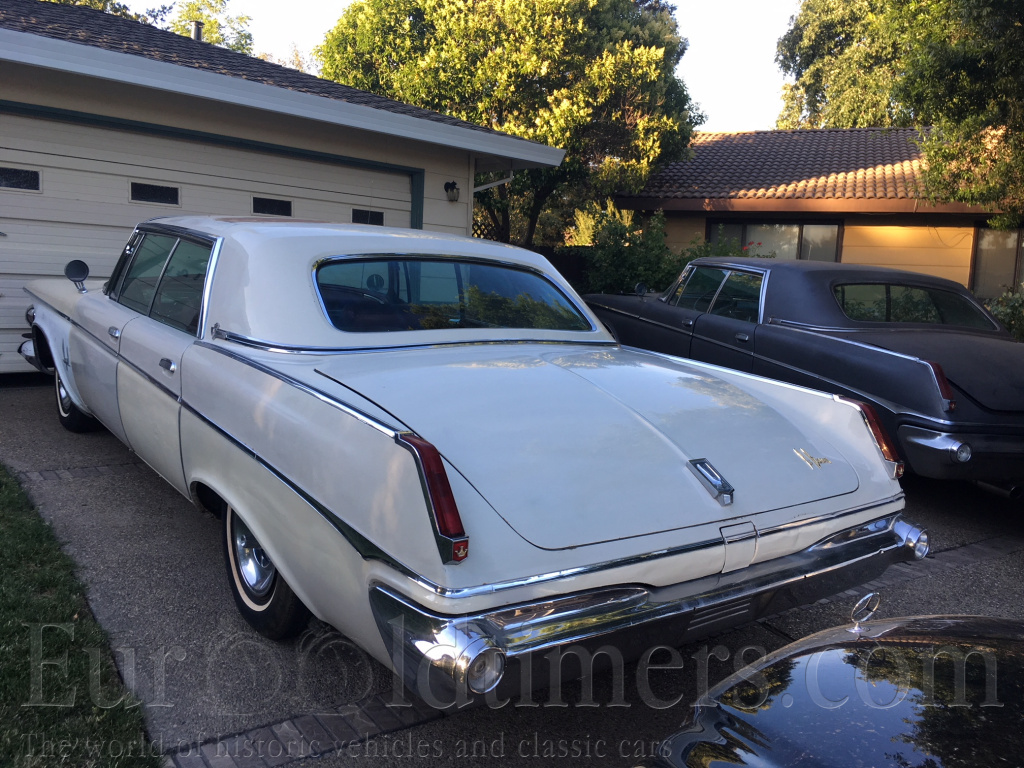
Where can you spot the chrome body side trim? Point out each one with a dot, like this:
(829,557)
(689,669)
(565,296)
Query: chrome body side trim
(365,418)
(269,346)
(427,648)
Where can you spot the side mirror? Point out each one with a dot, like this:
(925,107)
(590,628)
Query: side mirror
(77,271)
(640,289)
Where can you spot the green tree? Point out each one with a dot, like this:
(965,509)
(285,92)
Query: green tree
(949,67)
(218,27)
(594,77)
(844,62)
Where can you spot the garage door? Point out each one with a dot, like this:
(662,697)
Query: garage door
(70,191)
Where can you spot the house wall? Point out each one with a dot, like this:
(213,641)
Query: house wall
(934,250)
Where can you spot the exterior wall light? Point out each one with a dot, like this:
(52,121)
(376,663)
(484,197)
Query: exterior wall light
(452,190)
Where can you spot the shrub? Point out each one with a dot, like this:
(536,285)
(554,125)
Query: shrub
(1009,310)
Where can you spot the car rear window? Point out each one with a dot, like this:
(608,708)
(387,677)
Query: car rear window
(899,303)
(404,294)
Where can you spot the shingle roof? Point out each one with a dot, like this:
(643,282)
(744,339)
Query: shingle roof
(86,26)
(829,164)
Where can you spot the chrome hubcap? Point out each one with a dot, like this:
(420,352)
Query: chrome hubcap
(255,568)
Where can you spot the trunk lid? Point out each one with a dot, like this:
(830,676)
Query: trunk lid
(988,368)
(577,445)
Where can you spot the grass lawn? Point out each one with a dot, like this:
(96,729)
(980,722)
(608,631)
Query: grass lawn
(62,702)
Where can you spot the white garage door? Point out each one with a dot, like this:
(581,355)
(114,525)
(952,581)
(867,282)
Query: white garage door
(69,191)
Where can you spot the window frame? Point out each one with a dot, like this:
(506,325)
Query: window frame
(712,225)
(112,288)
(1018,272)
(23,190)
(836,284)
(444,258)
(176,188)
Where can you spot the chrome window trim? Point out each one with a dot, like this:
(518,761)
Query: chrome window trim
(292,349)
(211,267)
(581,310)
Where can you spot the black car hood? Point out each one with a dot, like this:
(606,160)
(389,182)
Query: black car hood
(988,368)
(936,691)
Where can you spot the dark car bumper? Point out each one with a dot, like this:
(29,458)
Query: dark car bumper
(933,453)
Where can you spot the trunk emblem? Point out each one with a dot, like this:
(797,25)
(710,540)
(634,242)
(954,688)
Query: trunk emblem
(811,461)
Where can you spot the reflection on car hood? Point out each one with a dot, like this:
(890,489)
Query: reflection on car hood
(988,368)
(928,691)
(575,445)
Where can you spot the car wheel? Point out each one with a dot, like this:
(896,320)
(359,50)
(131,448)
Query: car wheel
(261,593)
(71,418)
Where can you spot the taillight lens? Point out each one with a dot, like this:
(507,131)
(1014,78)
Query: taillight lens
(447,520)
(882,439)
(945,390)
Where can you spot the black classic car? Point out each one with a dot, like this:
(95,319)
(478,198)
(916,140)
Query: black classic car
(946,379)
(921,692)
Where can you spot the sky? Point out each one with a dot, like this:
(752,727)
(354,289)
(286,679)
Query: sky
(729,68)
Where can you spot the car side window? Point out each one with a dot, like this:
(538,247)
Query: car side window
(140,281)
(740,297)
(699,291)
(895,303)
(180,294)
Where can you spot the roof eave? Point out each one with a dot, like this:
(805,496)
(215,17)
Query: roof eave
(65,56)
(795,205)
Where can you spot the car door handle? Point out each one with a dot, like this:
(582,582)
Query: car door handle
(114,332)
(742,338)
(688,323)
(168,365)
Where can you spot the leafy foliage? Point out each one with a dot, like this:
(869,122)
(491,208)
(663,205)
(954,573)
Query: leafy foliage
(625,252)
(594,77)
(218,27)
(950,67)
(1009,310)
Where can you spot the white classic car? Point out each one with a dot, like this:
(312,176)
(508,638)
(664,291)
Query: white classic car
(431,443)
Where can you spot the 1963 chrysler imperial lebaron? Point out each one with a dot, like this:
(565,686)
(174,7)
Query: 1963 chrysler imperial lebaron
(432,444)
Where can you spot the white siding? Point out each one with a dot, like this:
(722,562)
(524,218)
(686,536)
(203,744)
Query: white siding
(84,209)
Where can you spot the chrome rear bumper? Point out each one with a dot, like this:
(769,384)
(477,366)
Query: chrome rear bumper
(448,659)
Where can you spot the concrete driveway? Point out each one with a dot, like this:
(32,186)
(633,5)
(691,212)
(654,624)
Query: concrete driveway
(217,695)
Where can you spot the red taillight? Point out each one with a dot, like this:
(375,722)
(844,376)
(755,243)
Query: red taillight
(442,501)
(945,391)
(882,439)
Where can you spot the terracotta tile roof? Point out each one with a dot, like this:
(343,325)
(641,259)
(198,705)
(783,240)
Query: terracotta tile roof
(86,26)
(831,164)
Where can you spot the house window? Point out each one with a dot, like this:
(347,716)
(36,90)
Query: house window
(810,242)
(997,262)
(362,216)
(19,178)
(270,206)
(154,193)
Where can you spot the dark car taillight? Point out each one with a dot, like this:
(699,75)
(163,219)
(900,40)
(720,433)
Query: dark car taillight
(452,541)
(945,390)
(882,439)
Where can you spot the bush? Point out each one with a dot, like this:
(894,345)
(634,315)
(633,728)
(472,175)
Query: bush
(624,254)
(1009,310)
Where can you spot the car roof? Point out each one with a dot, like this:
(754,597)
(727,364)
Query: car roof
(801,291)
(264,285)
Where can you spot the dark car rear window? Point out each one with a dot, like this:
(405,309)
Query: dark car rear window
(900,303)
(402,294)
